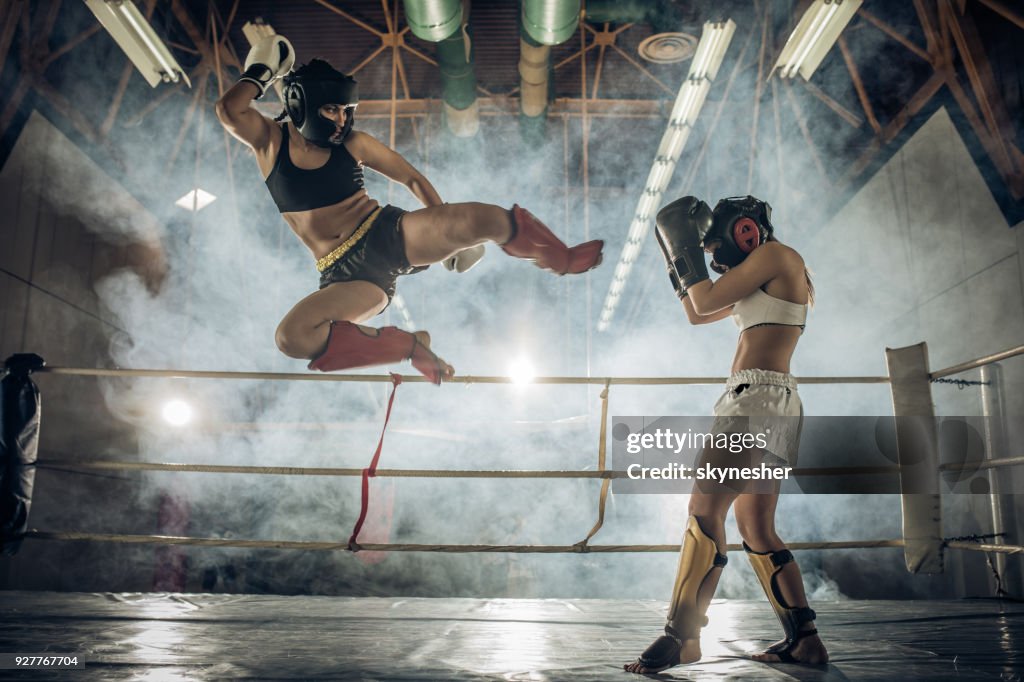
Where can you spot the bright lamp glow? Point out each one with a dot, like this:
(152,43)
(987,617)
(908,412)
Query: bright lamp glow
(521,371)
(195,200)
(140,43)
(814,36)
(177,412)
(714,42)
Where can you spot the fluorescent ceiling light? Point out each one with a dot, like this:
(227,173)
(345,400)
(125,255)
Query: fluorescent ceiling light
(814,36)
(140,43)
(714,42)
(690,100)
(195,200)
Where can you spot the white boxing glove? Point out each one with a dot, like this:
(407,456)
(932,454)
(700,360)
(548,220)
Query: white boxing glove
(269,59)
(465,259)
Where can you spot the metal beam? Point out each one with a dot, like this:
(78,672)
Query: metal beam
(72,44)
(804,130)
(1003,11)
(345,15)
(755,119)
(778,137)
(893,128)
(997,129)
(115,104)
(198,94)
(894,34)
(15,96)
(640,67)
(209,53)
(844,113)
(929,22)
(858,84)
(12,12)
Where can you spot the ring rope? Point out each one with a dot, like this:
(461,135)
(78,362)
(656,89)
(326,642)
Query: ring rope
(380,378)
(386,378)
(109,465)
(983,464)
(975,547)
(461,549)
(977,362)
(371,471)
(392,547)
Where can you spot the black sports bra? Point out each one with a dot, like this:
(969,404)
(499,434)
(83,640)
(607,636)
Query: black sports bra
(299,189)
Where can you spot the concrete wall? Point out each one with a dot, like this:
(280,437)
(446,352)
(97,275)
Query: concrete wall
(922,253)
(52,254)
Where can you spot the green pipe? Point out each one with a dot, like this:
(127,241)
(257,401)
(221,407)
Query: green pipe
(455,59)
(433,20)
(446,23)
(550,22)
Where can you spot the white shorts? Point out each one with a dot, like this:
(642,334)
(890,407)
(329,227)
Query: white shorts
(759,401)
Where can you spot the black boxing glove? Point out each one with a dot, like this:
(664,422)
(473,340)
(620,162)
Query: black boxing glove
(673,276)
(682,226)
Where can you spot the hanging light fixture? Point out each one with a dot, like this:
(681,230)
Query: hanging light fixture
(714,43)
(140,43)
(814,36)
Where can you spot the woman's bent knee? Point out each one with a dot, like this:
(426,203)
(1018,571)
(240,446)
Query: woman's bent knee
(288,344)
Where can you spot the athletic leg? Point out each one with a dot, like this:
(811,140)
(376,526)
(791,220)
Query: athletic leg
(780,577)
(323,326)
(701,560)
(436,233)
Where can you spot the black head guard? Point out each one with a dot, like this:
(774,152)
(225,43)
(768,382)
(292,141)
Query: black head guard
(311,87)
(741,224)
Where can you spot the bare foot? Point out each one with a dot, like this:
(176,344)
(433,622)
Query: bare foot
(689,653)
(808,650)
(445,370)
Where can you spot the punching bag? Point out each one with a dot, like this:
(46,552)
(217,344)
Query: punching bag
(19,444)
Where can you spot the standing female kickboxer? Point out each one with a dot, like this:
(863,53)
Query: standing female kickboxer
(313,166)
(765,287)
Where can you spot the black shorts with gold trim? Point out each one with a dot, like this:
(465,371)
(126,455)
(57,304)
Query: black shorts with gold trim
(374,253)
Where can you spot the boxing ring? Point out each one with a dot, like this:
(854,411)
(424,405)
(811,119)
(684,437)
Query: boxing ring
(170,636)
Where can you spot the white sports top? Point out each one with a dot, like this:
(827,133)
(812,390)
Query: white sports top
(759,309)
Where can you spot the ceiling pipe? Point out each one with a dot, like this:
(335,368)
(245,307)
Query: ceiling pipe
(542,23)
(446,22)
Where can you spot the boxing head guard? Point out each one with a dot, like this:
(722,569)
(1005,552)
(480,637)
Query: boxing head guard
(740,224)
(312,86)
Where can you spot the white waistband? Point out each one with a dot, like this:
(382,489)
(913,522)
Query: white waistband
(761,376)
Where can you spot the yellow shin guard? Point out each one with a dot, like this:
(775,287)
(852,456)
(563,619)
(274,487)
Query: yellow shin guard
(767,566)
(698,557)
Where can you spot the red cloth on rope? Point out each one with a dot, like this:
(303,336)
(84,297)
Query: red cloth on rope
(371,471)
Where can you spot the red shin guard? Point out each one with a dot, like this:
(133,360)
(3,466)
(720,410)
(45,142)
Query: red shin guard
(534,241)
(348,347)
